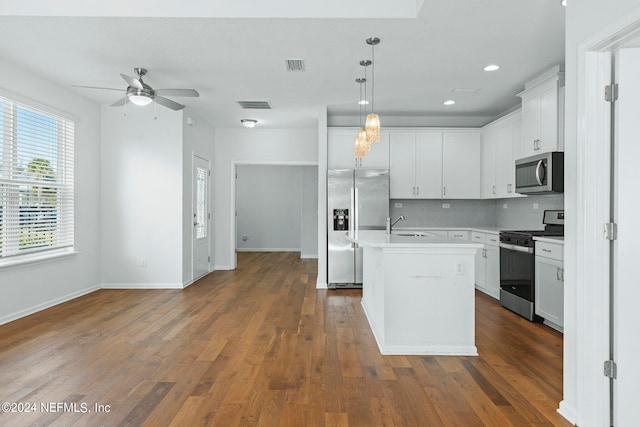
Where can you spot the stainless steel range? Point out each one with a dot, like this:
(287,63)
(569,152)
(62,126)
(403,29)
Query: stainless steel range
(517,264)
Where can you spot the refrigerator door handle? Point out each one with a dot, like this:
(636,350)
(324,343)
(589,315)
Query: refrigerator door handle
(356,210)
(352,211)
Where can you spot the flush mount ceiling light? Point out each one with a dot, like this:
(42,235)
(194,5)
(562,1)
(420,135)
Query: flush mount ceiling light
(449,102)
(248,123)
(564,3)
(373,121)
(491,67)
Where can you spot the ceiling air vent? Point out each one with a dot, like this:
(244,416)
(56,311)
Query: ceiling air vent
(294,65)
(255,105)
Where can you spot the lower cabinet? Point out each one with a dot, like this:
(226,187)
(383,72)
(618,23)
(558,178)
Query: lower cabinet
(550,283)
(487,263)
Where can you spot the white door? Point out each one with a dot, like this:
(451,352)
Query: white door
(201,217)
(626,288)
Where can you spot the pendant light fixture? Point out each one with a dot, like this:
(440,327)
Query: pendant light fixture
(361,143)
(373,121)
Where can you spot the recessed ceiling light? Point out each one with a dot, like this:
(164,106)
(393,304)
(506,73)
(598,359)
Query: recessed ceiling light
(363,102)
(492,67)
(564,3)
(449,102)
(248,123)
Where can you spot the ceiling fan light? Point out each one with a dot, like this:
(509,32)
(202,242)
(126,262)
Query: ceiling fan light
(373,127)
(141,100)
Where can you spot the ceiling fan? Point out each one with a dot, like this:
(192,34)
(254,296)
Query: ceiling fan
(140,93)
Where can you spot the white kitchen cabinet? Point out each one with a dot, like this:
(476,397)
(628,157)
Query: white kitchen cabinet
(549,272)
(461,158)
(489,161)
(341,155)
(415,164)
(509,136)
(543,113)
(487,263)
(501,142)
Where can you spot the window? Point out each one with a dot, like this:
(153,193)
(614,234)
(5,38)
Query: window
(36,180)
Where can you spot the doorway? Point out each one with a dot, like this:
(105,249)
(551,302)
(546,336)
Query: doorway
(275,208)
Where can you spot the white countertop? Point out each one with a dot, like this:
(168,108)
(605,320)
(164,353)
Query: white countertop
(492,230)
(380,239)
(550,239)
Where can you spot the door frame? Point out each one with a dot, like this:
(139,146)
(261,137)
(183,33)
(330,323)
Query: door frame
(209,213)
(233,259)
(587,305)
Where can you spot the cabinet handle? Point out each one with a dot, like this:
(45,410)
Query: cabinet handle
(413,191)
(546,250)
(417,191)
(444,191)
(484,253)
(508,188)
(562,274)
(494,189)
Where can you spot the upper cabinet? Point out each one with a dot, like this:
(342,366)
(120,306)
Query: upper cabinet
(415,163)
(501,144)
(341,155)
(543,114)
(461,155)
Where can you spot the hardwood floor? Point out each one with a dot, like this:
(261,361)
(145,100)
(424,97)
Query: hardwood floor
(261,346)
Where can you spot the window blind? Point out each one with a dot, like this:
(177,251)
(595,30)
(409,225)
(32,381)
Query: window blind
(36,180)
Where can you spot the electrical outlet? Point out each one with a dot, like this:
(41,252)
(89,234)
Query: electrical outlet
(398,205)
(536,206)
(459,269)
(446,206)
(143,262)
(504,206)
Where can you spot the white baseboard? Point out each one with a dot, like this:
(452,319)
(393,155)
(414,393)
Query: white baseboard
(321,284)
(309,256)
(23,313)
(223,267)
(567,412)
(142,286)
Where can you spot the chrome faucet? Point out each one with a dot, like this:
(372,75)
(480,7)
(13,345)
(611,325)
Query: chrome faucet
(391,224)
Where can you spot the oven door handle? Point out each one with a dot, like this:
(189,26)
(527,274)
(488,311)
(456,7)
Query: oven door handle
(517,248)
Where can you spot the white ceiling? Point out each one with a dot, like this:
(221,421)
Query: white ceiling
(418,63)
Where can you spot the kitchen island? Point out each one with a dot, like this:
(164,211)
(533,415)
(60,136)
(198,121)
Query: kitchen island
(418,292)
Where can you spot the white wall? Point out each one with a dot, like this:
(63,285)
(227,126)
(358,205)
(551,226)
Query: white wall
(34,287)
(582,398)
(309,214)
(269,205)
(141,197)
(251,146)
(197,139)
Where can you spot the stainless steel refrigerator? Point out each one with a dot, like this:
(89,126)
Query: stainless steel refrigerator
(356,200)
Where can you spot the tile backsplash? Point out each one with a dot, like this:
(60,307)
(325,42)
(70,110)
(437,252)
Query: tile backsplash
(520,213)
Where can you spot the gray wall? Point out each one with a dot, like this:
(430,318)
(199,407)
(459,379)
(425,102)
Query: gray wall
(519,213)
(277,208)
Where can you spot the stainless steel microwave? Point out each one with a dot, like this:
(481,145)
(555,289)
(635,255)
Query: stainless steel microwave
(543,173)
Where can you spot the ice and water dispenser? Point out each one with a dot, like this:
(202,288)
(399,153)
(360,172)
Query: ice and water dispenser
(341,220)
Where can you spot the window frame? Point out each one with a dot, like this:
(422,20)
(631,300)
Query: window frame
(11,185)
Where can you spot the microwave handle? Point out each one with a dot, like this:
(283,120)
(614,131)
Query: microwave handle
(539,175)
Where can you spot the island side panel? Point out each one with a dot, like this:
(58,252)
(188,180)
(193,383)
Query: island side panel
(373,291)
(429,302)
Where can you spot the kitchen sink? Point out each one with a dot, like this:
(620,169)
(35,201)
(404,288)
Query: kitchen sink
(412,234)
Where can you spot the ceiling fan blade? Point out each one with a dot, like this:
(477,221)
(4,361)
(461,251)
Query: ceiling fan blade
(168,103)
(97,87)
(134,83)
(177,92)
(120,102)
